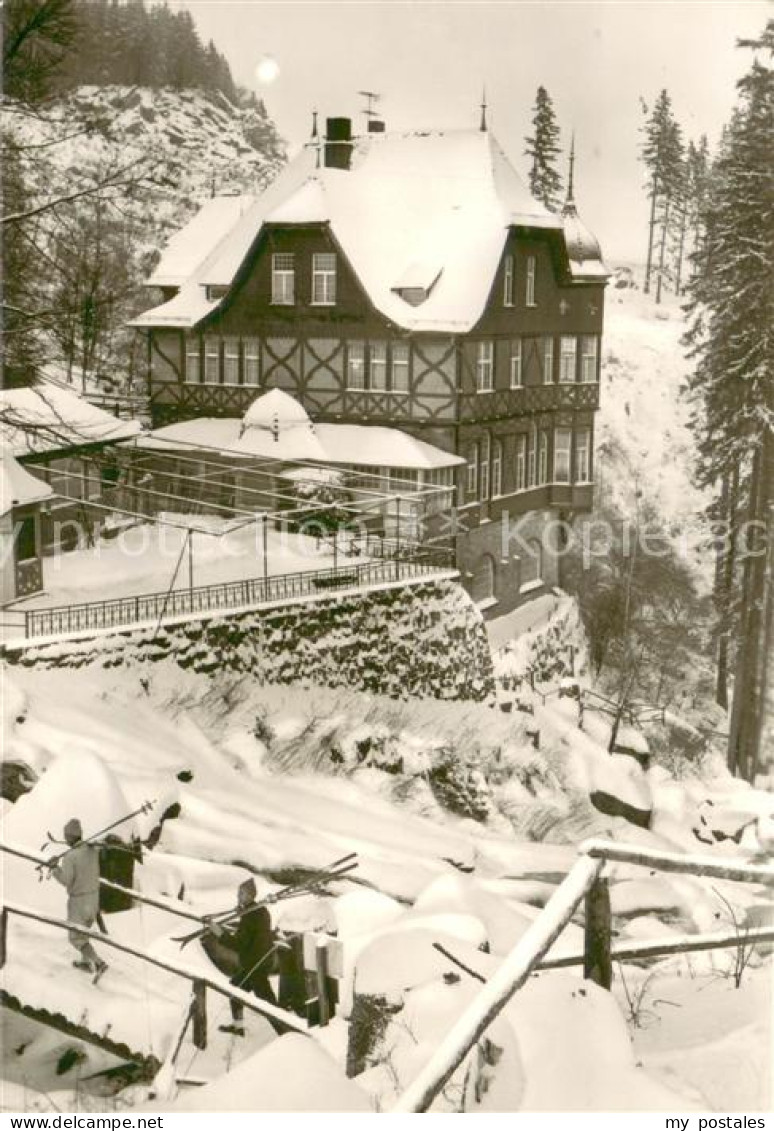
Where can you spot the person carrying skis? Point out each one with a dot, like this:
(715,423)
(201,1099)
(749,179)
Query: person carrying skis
(253,942)
(78,870)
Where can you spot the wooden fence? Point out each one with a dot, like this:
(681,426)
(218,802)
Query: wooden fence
(583,883)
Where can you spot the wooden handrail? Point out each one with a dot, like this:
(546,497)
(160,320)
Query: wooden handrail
(501,987)
(698,865)
(660,948)
(257,1005)
(152,901)
(582,879)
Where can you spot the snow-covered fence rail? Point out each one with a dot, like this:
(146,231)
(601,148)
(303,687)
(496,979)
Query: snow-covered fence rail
(695,865)
(662,948)
(174,908)
(200,980)
(150,608)
(501,987)
(584,881)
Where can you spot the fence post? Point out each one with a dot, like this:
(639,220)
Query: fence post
(321,974)
(597,961)
(3,936)
(199,1014)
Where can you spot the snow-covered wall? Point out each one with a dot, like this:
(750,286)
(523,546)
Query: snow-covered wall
(419,641)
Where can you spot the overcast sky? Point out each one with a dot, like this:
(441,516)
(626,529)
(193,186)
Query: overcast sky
(429,61)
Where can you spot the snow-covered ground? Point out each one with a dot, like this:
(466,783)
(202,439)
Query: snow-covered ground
(244,764)
(152,557)
(643,442)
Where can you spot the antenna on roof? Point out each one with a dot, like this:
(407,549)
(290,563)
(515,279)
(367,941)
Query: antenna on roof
(482,127)
(314,125)
(371,98)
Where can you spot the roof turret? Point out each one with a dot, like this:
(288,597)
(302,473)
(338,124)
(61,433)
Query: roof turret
(582,245)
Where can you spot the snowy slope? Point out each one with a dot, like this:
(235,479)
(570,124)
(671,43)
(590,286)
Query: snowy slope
(642,437)
(643,421)
(212,746)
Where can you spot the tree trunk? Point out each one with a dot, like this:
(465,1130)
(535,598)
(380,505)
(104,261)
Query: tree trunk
(662,250)
(724,579)
(681,249)
(651,233)
(746,723)
(763,566)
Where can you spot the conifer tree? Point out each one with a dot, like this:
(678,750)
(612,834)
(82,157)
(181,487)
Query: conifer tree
(543,148)
(732,389)
(662,155)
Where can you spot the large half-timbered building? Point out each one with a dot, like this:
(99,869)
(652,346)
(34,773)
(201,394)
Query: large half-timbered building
(407,282)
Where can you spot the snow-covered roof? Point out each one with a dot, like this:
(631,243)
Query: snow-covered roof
(17,487)
(583,248)
(411,205)
(277,427)
(47,418)
(374,446)
(188,247)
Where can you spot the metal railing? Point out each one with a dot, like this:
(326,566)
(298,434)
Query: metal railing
(121,612)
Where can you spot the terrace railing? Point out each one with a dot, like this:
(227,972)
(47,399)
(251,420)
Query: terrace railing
(120,612)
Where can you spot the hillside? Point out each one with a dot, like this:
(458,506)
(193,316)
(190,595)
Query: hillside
(463,830)
(161,152)
(642,432)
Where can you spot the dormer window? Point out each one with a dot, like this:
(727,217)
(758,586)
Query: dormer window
(417,281)
(508,281)
(283,279)
(216,292)
(414,296)
(324,279)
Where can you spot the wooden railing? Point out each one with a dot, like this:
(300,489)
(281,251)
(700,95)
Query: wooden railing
(152,607)
(318,954)
(584,882)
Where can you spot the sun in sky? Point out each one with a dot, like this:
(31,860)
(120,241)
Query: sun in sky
(267,70)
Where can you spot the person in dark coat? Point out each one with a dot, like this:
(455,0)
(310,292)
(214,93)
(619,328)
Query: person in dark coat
(78,871)
(253,943)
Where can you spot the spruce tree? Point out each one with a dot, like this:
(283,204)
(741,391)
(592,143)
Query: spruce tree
(662,155)
(732,388)
(543,149)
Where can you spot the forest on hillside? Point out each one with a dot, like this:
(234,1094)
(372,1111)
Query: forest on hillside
(106,42)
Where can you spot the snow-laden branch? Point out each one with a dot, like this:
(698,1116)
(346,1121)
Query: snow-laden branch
(119,179)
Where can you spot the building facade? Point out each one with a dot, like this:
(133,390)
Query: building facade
(409,282)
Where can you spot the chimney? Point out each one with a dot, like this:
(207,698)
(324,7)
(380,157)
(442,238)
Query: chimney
(338,143)
(375,126)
